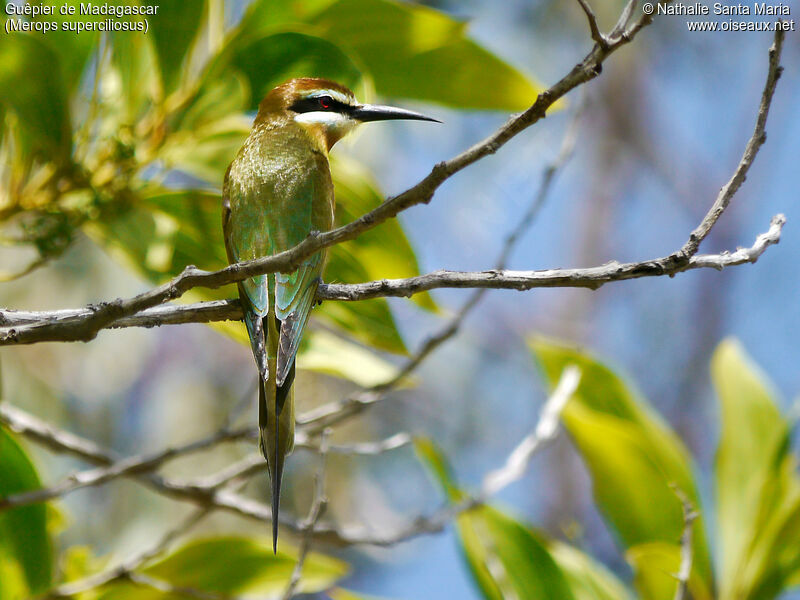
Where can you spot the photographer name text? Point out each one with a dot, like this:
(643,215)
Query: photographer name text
(759,9)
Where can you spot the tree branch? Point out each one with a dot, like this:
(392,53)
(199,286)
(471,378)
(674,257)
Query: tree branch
(88,323)
(727,192)
(318,506)
(142,466)
(29,327)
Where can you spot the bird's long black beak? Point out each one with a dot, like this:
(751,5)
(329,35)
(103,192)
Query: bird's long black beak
(374,112)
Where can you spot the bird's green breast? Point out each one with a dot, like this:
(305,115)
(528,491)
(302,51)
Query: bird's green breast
(279,189)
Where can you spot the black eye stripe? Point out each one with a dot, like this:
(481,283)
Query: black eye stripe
(315,104)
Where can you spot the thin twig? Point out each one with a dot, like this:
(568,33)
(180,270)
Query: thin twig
(727,192)
(318,506)
(545,431)
(594,30)
(122,468)
(685,569)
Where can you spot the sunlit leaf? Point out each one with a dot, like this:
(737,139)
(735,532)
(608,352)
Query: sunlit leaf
(263,15)
(634,459)
(225,96)
(508,559)
(327,353)
(136,63)
(205,150)
(433,458)
(368,320)
(384,251)
(587,578)
(758,491)
(173,29)
(24,540)
(412,51)
(31,85)
(77,562)
(656,565)
(232,565)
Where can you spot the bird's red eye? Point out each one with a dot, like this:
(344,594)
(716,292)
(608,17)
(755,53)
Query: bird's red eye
(325,101)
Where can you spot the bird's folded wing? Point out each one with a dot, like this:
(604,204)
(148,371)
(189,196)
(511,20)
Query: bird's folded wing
(295,294)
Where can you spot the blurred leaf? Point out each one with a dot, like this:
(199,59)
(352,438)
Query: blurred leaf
(508,559)
(271,58)
(505,555)
(632,456)
(433,458)
(758,492)
(163,232)
(370,321)
(264,14)
(232,565)
(31,86)
(173,29)
(205,150)
(12,579)
(342,594)
(412,51)
(328,353)
(74,49)
(384,252)
(587,579)
(656,564)
(225,96)
(77,562)
(135,60)
(24,540)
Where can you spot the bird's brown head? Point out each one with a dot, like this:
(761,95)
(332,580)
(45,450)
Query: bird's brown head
(328,110)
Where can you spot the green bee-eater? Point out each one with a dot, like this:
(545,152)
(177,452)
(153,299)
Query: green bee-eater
(276,191)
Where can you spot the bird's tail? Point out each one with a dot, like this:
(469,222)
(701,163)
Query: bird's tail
(276,426)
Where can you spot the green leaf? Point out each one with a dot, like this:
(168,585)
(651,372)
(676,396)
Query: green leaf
(173,29)
(634,459)
(433,458)
(587,579)
(232,565)
(225,96)
(32,87)
(509,559)
(412,51)
(73,49)
(758,491)
(25,551)
(205,150)
(656,565)
(324,352)
(384,251)
(136,63)
(273,57)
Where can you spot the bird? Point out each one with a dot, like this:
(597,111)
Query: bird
(276,191)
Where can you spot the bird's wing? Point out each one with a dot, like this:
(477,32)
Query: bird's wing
(310,208)
(253,292)
(295,294)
